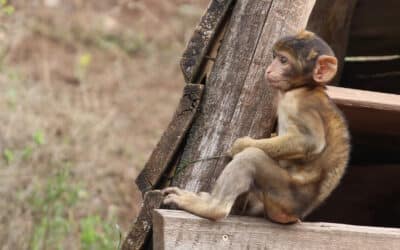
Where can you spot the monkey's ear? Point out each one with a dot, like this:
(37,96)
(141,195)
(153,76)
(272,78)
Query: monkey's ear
(325,69)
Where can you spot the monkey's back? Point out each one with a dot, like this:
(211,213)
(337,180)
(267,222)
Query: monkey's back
(333,160)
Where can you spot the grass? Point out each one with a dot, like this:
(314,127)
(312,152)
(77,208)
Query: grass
(54,222)
(86,90)
(6,8)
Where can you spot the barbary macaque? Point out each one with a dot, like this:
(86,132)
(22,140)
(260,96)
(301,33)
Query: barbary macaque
(290,174)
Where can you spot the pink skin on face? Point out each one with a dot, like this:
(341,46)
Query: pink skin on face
(275,71)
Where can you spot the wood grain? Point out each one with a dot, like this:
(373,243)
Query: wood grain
(171,139)
(139,232)
(203,38)
(177,230)
(237,101)
(364,99)
(368,111)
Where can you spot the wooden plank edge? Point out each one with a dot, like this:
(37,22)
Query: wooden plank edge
(202,38)
(139,232)
(244,220)
(331,235)
(364,99)
(172,138)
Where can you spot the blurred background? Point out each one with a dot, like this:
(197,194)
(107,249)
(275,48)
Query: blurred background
(87,87)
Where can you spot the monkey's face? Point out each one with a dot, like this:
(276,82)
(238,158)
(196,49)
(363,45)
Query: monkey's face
(301,60)
(281,71)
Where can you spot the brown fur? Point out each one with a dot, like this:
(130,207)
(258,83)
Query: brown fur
(292,173)
(304,34)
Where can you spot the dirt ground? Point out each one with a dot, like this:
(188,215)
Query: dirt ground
(86,90)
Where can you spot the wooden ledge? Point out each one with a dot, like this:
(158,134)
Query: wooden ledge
(368,111)
(180,230)
(364,99)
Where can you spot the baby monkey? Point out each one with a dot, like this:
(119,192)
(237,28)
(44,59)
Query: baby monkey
(288,175)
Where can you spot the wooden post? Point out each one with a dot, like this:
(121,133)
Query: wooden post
(237,101)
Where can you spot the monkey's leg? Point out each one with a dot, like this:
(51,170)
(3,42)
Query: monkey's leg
(275,184)
(255,204)
(253,170)
(235,179)
(249,169)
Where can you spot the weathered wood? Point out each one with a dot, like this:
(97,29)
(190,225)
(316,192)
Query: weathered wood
(237,101)
(331,20)
(364,99)
(367,111)
(375,28)
(139,232)
(177,230)
(203,38)
(171,139)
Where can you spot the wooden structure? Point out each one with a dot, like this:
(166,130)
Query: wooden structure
(178,230)
(226,98)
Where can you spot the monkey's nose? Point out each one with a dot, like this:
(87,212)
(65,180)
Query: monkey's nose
(268,70)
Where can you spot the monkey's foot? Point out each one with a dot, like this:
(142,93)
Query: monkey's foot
(201,204)
(283,218)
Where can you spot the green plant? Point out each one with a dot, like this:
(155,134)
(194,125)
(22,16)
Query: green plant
(27,152)
(50,206)
(11,97)
(6,8)
(38,137)
(82,65)
(8,155)
(96,234)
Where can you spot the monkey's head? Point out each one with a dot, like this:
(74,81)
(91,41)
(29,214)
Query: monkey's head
(301,60)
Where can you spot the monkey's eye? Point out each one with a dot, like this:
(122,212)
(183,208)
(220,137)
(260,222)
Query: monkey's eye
(283,59)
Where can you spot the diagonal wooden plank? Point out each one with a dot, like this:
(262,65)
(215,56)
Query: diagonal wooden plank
(237,101)
(139,232)
(171,139)
(203,38)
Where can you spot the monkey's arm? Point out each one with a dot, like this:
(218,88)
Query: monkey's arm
(306,137)
(287,147)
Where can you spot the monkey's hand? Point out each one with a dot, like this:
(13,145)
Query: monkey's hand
(241,144)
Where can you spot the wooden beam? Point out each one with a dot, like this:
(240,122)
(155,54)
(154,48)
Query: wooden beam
(368,111)
(174,230)
(139,232)
(364,99)
(159,161)
(203,38)
(170,141)
(236,101)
